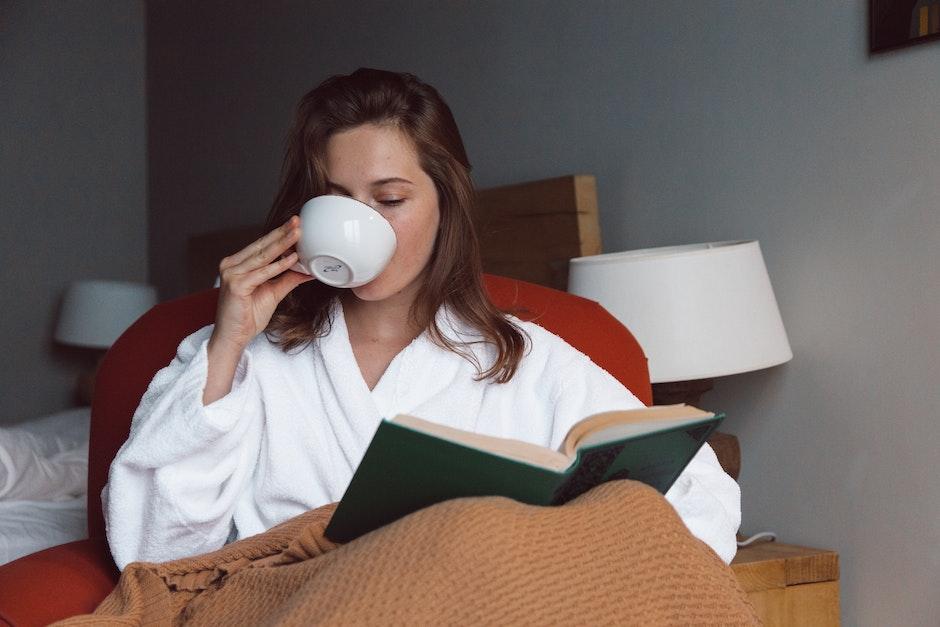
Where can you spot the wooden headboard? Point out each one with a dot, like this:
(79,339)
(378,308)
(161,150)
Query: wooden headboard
(527,231)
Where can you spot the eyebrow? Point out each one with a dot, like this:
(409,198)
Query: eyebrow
(378,183)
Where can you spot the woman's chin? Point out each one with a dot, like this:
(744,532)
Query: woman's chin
(383,287)
(373,290)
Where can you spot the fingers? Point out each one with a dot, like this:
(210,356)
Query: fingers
(259,276)
(287,282)
(263,250)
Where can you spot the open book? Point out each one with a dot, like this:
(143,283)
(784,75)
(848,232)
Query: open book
(412,463)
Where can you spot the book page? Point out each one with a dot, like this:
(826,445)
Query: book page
(614,425)
(505,447)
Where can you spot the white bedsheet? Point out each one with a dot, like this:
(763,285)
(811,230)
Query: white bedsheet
(43,472)
(30,526)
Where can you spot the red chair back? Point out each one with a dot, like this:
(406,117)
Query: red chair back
(151,342)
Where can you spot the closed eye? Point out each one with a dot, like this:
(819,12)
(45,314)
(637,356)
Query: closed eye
(391,203)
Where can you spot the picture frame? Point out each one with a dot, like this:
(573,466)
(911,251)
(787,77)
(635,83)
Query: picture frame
(896,24)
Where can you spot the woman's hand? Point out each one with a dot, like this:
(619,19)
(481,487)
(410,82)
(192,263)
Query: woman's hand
(249,291)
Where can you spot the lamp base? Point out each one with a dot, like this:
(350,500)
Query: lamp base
(688,392)
(85,382)
(726,446)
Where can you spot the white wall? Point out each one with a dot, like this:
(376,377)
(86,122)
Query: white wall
(702,121)
(832,160)
(72,180)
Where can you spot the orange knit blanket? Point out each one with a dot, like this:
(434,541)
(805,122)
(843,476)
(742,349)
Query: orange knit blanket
(617,554)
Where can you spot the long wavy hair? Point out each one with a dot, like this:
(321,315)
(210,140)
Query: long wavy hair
(455,275)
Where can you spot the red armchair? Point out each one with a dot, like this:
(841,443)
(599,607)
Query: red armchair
(73,578)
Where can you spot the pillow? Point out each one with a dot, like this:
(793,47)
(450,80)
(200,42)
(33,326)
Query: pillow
(46,458)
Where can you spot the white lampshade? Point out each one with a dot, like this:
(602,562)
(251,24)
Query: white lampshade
(699,311)
(96,313)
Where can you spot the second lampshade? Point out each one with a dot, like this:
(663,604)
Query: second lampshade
(95,313)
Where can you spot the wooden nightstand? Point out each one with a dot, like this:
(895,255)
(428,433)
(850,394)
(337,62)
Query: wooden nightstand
(790,585)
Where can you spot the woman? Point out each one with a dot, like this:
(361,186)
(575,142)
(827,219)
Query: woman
(267,412)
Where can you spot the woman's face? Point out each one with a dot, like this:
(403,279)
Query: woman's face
(378,165)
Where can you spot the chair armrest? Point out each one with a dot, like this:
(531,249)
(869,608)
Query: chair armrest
(56,583)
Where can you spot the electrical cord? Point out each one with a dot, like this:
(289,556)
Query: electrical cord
(763,536)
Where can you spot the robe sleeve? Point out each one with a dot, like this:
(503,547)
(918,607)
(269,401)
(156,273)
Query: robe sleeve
(706,498)
(173,486)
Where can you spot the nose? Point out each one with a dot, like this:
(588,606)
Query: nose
(363,198)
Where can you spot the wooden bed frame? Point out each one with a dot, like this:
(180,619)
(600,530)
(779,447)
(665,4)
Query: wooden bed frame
(527,231)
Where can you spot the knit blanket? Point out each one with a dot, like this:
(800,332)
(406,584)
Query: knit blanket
(617,554)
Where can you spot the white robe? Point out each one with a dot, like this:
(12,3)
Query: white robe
(291,432)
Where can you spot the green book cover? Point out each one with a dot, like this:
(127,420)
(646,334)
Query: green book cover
(405,468)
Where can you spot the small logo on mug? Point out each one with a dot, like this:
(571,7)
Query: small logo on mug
(335,268)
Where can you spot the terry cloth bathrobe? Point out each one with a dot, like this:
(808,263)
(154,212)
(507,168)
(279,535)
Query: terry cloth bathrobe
(289,435)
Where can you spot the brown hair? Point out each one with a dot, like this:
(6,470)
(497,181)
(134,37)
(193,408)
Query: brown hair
(455,276)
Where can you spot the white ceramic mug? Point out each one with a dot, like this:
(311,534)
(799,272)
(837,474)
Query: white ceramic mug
(343,242)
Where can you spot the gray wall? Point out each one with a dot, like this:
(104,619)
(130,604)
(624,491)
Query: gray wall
(72,179)
(702,121)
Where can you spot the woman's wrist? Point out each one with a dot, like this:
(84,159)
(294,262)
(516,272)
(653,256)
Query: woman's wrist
(223,358)
(224,348)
